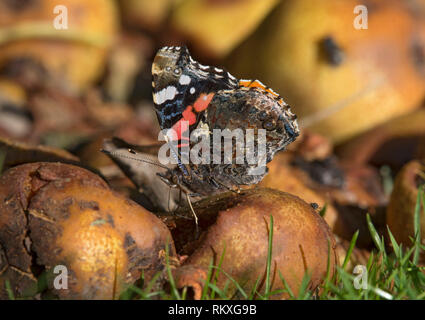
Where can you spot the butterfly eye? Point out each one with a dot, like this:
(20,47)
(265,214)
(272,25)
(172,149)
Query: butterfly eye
(177,71)
(269,124)
(132,151)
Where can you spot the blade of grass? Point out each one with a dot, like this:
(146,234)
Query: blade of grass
(215,289)
(350,249)
(322,211)
(328,270)
(348,283)
(288,289)
(152,282)
(216,274)
(254,289)
(184,293)
(170,275)
(375,236)
(387,179)
(396,247)
(303,293)
(269,257)
(417,226)
(208,280)
(242,291)
(9,291)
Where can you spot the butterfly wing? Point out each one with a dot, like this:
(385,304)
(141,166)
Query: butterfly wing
(183,88)
(143,169)
(266,126)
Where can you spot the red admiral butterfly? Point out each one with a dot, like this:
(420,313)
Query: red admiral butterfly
(188,96)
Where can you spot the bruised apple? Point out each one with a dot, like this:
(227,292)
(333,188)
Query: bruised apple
(59,220)
(237,240)
(67,40)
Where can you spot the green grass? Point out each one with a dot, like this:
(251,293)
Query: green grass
(391,274)
(9,291)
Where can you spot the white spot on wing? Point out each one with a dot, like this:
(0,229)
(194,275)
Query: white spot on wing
(165,94)
(184,79)
(171,93)
(203,74)
(192,90)
(230,76)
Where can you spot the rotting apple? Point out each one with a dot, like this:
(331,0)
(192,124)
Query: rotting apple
(54,214)
(235,238)
(401,208)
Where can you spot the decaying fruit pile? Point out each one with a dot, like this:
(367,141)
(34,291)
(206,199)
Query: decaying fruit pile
(358,94)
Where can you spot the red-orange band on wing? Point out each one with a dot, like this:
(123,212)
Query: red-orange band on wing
(189,116)
(202,102)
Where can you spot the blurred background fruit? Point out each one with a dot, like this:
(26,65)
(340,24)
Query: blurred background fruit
(146,14)
(215,27)
(57,214)
(15,153)
(392,144)
(357,257)
(15,118)
(73,58)
(401,209)
(340,80)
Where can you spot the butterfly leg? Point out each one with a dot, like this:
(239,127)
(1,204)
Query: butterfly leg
(194,214)
(177,157)
(169,199)
(164,179)
(178,204)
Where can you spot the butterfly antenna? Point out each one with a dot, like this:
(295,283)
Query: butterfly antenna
(120,155)
(176,155)
(194,214)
